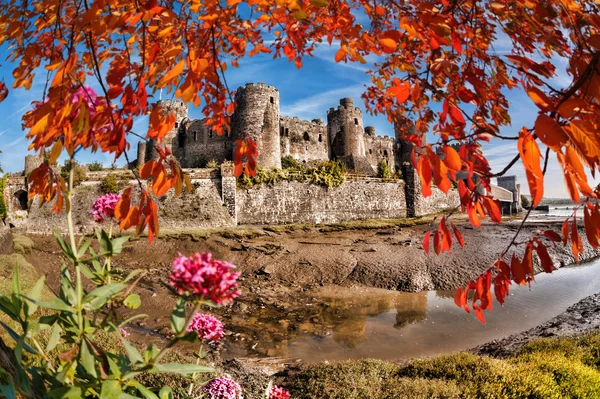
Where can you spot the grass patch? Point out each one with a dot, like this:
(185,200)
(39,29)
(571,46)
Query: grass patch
(22,244)
(558,368)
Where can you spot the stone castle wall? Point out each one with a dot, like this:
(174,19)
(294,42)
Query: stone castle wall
(306,141)
(215,201)
(303,202)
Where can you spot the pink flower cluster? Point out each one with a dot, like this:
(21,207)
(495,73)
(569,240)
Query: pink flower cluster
(202,276)
(278,393)
(223,388)
(104,207)
(208,327)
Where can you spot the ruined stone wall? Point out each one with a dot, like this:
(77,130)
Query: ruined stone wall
(199,143)
(203,207)
(380,148)
(303,202)
(306,141)
(345,130)
(257,116)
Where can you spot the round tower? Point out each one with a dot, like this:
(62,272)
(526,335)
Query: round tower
(32,162)
(345,130)
(170,140)
(257,116)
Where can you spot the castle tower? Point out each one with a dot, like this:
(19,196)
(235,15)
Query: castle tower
(141,153)
(412,187)
(170,140)
(32,162)
(345,130)
(257,116)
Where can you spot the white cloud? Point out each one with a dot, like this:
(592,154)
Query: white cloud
(315,106)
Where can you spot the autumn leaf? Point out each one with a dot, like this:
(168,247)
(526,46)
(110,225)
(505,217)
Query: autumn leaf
(530,157)
(550,132)
(400,91)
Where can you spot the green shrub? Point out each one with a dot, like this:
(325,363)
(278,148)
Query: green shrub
(79,173)
(109,184)
(383,170)
(289,162)
(211,164)
(22,244)
(3,210)
(330,174)
(525,201)
(95,166)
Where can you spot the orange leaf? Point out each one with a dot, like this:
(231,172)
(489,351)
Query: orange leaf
(539,97)
(400,90)
(388,45)
(424,172)
(577,244)
(550,132)
(457,116)
(530,156)
(173,73)
(527,262)
(341,54)
(459,298)
(565,232)
(452,159)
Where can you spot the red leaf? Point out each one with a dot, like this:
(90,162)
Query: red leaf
(518,275)
(493,208)
(501,283)
(545,260)
(426,242)
(552,236)
(436,242)
(456,115)
(458,236)
(479,314)
(459,298)
(577,244)
(565,232)
(590,228)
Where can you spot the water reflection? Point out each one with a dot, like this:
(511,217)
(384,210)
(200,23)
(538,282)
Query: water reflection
(351,323)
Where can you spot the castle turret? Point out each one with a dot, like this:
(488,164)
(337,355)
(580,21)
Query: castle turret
(170,140)
(370,130)
(345,130)
(404,150)
(257,116)
(32,162)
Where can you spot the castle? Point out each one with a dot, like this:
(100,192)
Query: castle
(258,116)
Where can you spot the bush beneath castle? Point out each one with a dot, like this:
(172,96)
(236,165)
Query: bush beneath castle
(329,174)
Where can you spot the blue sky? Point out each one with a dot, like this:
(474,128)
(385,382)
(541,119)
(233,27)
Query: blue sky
(306,93)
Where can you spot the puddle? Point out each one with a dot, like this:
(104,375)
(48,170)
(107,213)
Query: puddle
(348,323)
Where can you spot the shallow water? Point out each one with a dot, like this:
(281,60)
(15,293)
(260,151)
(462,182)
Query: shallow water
(372,323)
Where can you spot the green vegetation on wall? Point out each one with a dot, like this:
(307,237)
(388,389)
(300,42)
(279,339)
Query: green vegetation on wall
(95,166)
(383,170)
(329,174)
(3,210)
(525,201)
(78,177)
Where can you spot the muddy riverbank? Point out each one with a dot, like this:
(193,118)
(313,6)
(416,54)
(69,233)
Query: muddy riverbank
(292,278)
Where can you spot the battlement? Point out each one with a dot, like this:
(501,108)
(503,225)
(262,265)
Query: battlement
(259,85)
(370,130)
(177,104)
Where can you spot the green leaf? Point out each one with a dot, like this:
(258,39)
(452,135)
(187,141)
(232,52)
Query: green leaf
(54,304)
(105,245)
(165,393)
(150,353)
(35,293)
(9,391)
(132,353)
(67,251)
(66,393)
(132,318)
(110,389)
(181,368)
(148,394)
(191,337)
(84,248)
(14,335)
(87,359)
(8,307)
(16,290)
(178,316)
(54,337)
(133,301)
(99,296)
(117,244)
(131,275)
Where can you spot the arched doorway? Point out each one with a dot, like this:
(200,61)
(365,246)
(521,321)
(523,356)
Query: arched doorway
(21,200)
